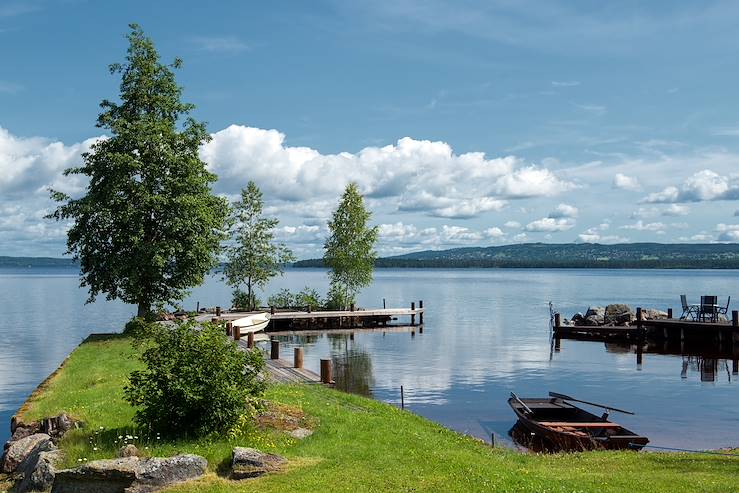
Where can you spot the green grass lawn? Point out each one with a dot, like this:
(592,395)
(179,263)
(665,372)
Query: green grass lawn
(359,444)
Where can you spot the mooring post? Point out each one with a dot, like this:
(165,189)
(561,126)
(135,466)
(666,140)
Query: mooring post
(274,350)
(229,328)
(326,376)
(638,317)
(218,311)
(236,332)
(383,303)
(402,398)
(735,318)
(557,320)
(298,359)
(272,310)
(669,313)
(250,340)
(413,313)
(420,315)
(197,309)
(492,439)
(214,320)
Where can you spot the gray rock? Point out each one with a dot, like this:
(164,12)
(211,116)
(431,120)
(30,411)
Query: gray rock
(653,314)
(129,450)
(250,463)
(578,319)
(21,449)
(593,320)
(38,474)
(300,433)
(597,314)
(619,314)
(129,474)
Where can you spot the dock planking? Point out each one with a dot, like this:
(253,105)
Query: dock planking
(282,371)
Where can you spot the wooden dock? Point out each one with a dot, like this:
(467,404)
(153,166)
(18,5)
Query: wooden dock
(286,320)
(658,329)
(283,372)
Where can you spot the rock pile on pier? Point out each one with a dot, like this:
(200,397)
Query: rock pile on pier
(617,314)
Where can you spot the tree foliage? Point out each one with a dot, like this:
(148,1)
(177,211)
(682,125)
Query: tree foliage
(195,380)
(148,226)
(254,258)
(349,249)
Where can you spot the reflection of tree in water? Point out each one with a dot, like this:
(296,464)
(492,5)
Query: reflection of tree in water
(352,365)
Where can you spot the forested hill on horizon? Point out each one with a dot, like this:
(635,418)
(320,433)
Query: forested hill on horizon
(569,255)
(531,255)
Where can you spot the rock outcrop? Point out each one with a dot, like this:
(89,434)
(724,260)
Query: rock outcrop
(129,474)
(250,463)
(37,472)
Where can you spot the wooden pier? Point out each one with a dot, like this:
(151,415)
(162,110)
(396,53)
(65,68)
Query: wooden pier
(287,320)
(283,372)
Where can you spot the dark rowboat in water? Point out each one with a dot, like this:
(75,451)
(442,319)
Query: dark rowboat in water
(568,427)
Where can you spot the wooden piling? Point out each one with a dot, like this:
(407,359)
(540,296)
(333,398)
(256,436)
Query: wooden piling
(669,313)
(236,332)
(229,329)
(383,303)
(326,374)
(218,311)
(274,350)
(413,315)
(638,316)
(298,358)
(735,318)
(352,307)
(420,315)
(402,398)
(197,308)
(557,320)
(250,340)
(272,310)
(214,320)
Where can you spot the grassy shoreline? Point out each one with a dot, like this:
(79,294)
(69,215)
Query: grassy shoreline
(359,444)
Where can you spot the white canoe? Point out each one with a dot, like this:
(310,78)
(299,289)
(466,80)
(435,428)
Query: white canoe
(253,323)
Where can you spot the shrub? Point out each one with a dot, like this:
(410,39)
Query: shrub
(308,297)
(240,300)
(282,299)
(195,382)
(139,328)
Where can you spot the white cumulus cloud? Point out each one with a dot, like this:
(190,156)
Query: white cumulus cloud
(705,185)
(564,210)
(625,182)
(550,225)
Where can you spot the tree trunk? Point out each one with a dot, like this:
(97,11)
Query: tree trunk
(249,300)
(144,309)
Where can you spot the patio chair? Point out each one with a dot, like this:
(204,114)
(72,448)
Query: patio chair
(688,310)
(724,310)
(708,308)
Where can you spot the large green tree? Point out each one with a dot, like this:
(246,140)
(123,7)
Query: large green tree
(349,249)
(254,257)
(148,227)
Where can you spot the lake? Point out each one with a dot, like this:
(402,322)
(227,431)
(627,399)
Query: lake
(486,334)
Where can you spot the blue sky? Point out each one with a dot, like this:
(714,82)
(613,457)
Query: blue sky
(465,123)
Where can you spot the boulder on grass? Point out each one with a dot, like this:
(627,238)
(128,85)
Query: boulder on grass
(129,450)
(250,463)
(20,450)
(129,474)
(37,472)
(619,314)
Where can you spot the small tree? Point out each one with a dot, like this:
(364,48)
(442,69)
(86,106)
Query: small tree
(254,258)
(195,380)
(349,250)
(148,226)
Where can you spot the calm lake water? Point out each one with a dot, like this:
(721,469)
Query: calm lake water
(486,334)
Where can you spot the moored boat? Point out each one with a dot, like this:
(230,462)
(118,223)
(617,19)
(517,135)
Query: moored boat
(570,428)
(256,322)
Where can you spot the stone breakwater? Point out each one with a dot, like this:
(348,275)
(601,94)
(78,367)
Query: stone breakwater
(614,315)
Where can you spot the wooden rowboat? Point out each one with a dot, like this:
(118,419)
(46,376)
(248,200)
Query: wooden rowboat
(256,322)
(567,427)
